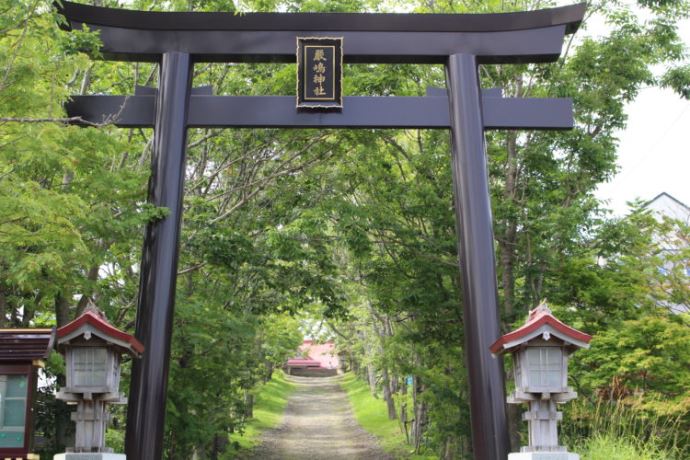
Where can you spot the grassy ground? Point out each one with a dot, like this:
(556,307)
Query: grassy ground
(269,404)
(618,431)
(372,414)
(606,447)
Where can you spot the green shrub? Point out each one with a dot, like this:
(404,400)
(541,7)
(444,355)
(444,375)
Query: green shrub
(606,447)
(372,415)
(620,431)
(269,406)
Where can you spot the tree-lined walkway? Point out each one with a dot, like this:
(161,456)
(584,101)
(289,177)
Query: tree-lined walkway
(318,424)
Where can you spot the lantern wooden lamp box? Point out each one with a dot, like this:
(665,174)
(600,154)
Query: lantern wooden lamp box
(92,348)
(22,352)
(540,350)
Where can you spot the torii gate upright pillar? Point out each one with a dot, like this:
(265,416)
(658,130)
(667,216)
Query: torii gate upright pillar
(476,254)
(146,414)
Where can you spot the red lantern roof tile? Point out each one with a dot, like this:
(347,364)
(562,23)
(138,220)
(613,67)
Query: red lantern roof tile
(91,318)
(539,317)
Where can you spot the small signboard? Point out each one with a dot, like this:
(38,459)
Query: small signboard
(319,73)
(22,352)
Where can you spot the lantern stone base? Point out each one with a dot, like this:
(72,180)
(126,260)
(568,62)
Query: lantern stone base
(89,456)
(543,456)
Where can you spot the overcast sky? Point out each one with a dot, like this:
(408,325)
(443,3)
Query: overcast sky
(654,152)
(654,149)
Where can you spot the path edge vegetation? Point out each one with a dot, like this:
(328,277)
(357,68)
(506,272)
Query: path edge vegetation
(371,414)
(270,401)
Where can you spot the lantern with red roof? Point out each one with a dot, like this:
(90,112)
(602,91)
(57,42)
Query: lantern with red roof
(92,348)
(540,350)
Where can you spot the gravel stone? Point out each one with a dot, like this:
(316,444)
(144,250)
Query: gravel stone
(318,425)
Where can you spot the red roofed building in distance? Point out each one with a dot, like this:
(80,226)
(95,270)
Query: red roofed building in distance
(324,353)
(321,358)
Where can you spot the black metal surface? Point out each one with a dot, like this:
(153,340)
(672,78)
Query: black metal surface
(529,45)
(476,252)
(205,90)
(429,112)
(146,410)
(571,16)
(123,111)
(527,113)
(443,92)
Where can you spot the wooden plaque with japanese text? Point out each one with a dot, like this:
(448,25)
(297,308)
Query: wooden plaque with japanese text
(319,73)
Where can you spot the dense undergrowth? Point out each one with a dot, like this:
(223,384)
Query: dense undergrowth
(607,447)
(370,413)
(602,431)
(270,400)
(613,430)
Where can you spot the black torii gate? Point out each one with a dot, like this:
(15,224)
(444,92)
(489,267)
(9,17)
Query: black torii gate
(461,42)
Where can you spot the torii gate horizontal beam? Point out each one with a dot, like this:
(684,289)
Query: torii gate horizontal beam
(428,112)
(534,36)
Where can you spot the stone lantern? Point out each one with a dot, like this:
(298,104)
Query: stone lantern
(540,350)
(92,348)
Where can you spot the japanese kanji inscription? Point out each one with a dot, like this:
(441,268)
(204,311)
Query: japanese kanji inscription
(319,73)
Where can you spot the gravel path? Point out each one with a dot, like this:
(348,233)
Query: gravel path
(318,424)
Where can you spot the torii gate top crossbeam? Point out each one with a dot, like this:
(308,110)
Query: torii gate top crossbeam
(534,36)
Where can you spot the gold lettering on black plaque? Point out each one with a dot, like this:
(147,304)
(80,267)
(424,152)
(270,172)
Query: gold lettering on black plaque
(319,73)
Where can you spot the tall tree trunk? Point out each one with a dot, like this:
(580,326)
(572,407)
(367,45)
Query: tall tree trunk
(248,404)
(387,396)
(403,409)
(419,426)
(448,449)
(395,384)
(420,413)
(64,431)
(92,276)
(371,378)
(369,354)
(509,239)
(514,419)
(14,319)
(507,245)
(62,310)
(269,371)
(29,312)
(3,309)
(385,380)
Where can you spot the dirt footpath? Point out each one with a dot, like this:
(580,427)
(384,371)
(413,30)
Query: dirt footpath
(318,424)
